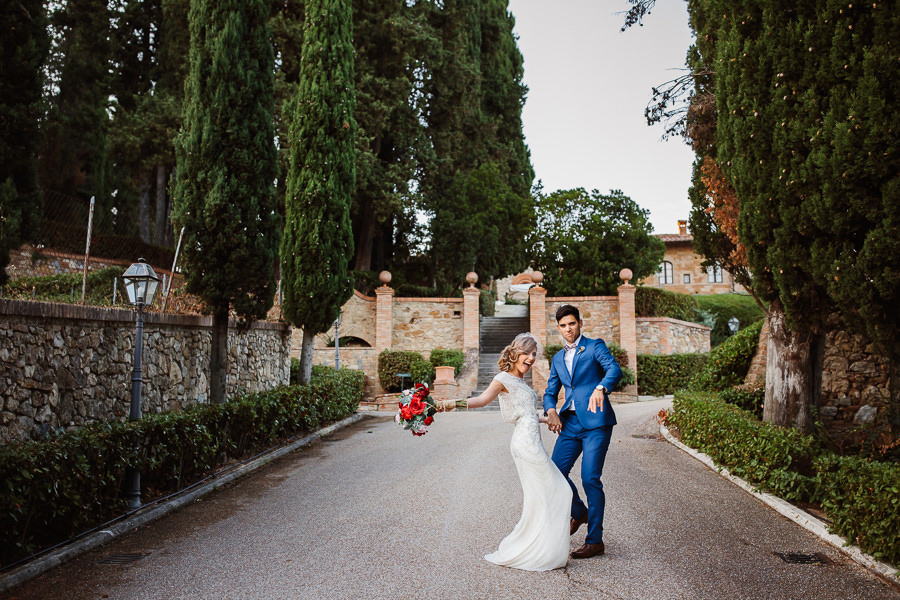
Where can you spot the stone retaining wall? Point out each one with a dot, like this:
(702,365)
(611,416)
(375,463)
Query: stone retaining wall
(663,335)
(64,366)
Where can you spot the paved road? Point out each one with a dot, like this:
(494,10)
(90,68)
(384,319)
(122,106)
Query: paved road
(375,513)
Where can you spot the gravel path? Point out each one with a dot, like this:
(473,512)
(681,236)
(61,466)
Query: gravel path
(375,513)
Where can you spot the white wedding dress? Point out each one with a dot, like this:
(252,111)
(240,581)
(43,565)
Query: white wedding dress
(540,540)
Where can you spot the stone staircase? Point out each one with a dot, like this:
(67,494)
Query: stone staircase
(496,333)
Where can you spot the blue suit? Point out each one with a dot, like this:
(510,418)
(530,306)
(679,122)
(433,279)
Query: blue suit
(584,432)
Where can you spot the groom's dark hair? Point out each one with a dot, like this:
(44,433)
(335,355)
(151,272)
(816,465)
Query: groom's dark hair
(566,310)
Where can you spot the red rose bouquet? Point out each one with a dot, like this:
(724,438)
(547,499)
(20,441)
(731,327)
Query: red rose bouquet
(417,409)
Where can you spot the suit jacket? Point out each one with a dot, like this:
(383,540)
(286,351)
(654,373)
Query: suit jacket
(592,365)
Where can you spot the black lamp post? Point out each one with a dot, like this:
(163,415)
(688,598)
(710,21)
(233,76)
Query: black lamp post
(141,282)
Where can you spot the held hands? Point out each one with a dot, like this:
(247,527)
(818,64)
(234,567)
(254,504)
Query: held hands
(553,422)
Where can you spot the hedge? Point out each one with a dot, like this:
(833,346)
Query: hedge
(391,362)
(55,489)
(66,287)
(661,374)
(654,302)
(860,496)
(441,357)
(723,307)
(728,363)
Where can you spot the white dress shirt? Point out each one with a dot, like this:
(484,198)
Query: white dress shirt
(569,359)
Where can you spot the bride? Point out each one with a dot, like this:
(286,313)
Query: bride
(540,540)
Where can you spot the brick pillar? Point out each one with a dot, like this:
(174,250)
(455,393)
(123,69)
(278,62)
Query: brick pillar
(384,318)
(628,329)
(471,298)
(537,314)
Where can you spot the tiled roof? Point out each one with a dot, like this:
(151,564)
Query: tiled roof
(675,237)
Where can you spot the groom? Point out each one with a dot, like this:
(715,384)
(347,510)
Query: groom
(584,422)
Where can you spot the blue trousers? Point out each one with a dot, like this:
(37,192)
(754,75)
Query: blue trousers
(575,440)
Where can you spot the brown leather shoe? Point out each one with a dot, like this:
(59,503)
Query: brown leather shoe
(574,524)
(589,550)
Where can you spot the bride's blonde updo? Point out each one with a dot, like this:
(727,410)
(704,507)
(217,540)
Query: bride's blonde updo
(525,343)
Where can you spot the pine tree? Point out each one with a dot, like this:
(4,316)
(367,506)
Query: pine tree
(23,50)
(227,165)
(318,241)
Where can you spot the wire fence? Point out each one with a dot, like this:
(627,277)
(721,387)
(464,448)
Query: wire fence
(81,251)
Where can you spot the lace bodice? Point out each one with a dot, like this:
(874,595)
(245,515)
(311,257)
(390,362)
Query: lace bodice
(519,399)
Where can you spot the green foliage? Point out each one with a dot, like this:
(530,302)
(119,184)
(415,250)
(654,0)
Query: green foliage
(66,287)
(806,105)
(227,162)
(295,372)
(777,459)
(746,398)
(862,499)
(55,489)
(618,353)
(318,241)
(480,225)
(550,350)
(661,374)
(487,303)
(391,362)
(860,496)
(23,50)
(729,362)
(583,240)
(627,378)
(441,357)
(725,306)
(654,302)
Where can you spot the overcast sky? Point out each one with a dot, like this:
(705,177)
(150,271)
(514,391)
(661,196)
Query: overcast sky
(588,86)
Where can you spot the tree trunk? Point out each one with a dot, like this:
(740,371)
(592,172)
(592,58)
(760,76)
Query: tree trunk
(793,373)
(367,230)
(306,355)
(161,233)
(218,360)
(144,208)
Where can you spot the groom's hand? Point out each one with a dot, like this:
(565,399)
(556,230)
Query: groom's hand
(596,400)
(553,422)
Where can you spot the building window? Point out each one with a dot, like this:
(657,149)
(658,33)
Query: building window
(665,273)
(714,274)
(687,277)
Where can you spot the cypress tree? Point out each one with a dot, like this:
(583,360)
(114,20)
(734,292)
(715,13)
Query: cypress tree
(806,133)
(318,239)
(23,49)
(226,170)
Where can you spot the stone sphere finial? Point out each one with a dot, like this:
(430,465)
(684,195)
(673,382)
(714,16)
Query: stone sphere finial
(537,277)
(625,275)
(472,278)
(384,277)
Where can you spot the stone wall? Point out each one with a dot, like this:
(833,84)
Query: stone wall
(599,314)
(663,335)
(422,324)
(856,385)
(64,366)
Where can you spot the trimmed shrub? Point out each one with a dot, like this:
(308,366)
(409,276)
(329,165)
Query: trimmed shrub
(53,490)
(487,303)
(661,374)
(391,362)
(654,302)
(722,307)
(862,499)
(728,363)
(441,357)
(777,459)
(860,496)
(749,398)
(550,350)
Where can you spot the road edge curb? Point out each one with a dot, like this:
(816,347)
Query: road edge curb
(804,519)
(151,513)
